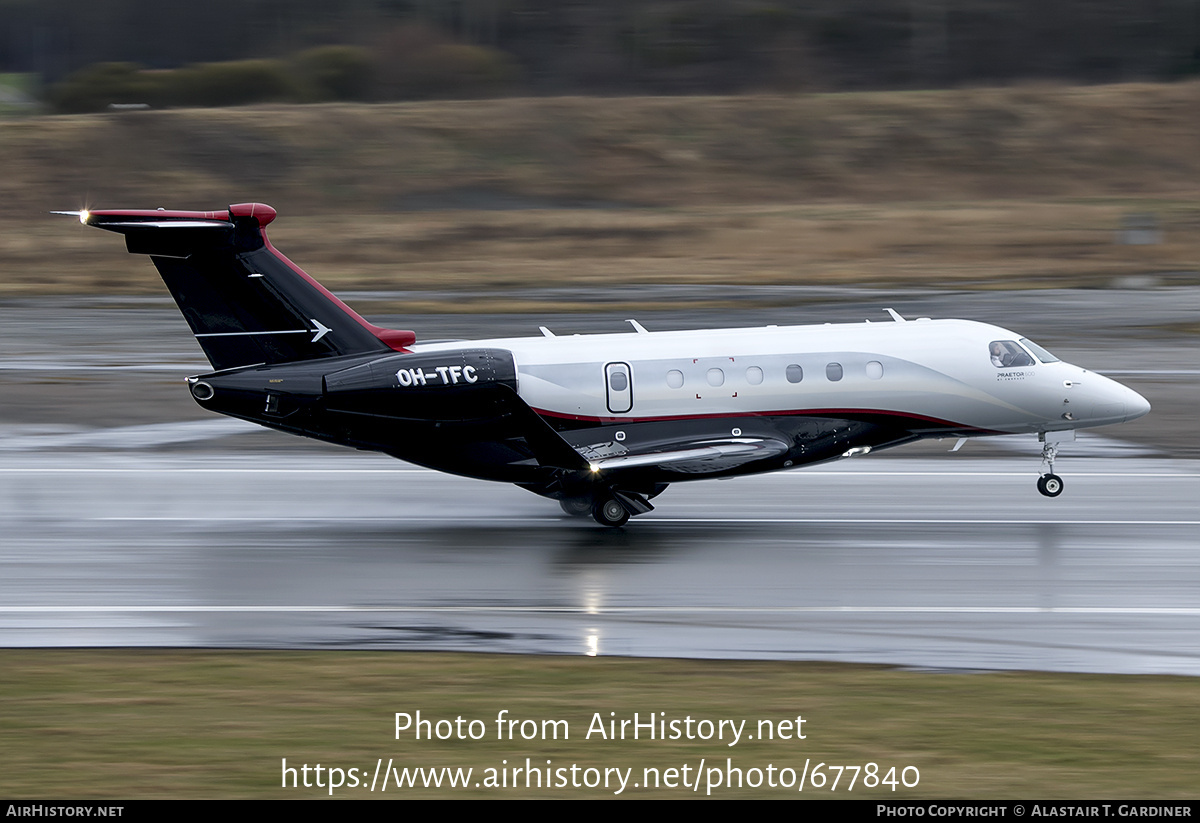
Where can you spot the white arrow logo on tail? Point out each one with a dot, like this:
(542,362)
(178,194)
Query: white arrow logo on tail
(320,331)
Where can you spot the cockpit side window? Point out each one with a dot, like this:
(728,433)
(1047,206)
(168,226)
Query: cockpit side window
(1007,354)
(1038,351)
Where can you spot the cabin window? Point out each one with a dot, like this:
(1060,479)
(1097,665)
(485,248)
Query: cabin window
(874,370)
(675,379)
(794,373)
(716,377)
(834,372)
(1006,354)
(754,375)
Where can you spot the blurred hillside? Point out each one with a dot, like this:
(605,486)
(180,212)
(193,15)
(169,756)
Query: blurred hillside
(1003,187)
(559,152)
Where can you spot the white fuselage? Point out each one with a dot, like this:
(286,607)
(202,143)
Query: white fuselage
(935,370)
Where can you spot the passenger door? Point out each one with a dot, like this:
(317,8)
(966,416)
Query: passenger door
(618,382)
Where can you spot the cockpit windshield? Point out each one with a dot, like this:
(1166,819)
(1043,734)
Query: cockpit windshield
(1039,352)
(1007,354)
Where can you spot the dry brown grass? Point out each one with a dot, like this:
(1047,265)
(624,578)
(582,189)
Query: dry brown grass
(1003,187)
(480,255)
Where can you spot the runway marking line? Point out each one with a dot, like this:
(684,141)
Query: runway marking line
(799,473)
(653,519)
(592,611)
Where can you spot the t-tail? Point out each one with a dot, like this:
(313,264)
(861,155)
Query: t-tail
(246,303)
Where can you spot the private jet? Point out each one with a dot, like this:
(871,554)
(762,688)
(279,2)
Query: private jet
(601,423)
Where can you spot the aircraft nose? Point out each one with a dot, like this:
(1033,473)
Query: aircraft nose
(1135,405)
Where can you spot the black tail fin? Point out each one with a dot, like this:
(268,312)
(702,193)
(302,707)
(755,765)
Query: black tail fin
(245,302)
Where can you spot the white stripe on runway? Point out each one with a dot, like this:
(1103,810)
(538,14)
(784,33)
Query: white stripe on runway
(593,611)
(185,470)
(647,519)
(796,473)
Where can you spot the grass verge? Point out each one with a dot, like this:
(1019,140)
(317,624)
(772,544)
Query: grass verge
(216,724)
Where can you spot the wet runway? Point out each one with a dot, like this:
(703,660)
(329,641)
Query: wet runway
(129,517)
(942,563)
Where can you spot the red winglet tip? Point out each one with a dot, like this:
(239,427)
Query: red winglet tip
(261,212)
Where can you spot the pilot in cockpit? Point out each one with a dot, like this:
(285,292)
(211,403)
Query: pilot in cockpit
(998,355)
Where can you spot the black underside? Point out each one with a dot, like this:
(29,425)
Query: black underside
(486,431)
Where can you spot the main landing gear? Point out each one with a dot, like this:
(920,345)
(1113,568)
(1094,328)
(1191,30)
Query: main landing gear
(576,506)
(1050,484)
(610,507)
(609,511)
(605,509)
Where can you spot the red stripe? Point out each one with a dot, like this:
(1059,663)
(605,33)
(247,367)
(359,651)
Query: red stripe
(395,339)
(780,413)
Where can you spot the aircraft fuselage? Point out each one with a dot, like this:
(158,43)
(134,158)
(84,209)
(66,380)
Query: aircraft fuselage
(602,422)
(800,394)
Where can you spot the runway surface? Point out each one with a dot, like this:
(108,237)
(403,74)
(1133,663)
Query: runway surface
(129,517)
(948,563)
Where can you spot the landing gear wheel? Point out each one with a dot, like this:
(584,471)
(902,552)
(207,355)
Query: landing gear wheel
(608,511)
(576,506)
(1050,485)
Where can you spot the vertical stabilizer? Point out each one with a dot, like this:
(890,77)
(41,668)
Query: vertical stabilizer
(245,302)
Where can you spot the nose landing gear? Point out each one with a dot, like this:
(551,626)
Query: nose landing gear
(1050,484)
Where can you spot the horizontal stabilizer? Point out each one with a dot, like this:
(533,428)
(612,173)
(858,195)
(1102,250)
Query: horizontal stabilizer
(167,224)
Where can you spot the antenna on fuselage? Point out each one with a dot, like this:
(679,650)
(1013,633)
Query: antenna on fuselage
(895,315)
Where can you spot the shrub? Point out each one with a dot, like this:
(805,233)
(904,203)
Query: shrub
(336,73)
(232,83)
(96,87)
(417,61)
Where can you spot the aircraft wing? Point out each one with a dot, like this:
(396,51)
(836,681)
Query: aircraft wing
(547,445)
(705,457)
(692,457)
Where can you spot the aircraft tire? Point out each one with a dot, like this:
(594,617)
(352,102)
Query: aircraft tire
(608,511)
(1051,485)
(576,506)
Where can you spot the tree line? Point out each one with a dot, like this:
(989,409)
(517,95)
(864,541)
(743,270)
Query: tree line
(404,49)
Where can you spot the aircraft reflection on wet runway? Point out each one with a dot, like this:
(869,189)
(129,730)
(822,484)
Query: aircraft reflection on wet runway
(941,566)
